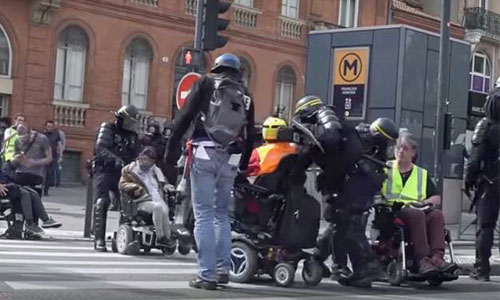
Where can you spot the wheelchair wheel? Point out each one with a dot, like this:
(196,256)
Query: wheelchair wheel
(395,272)
(312,273)
(434,282)
(168,250)
(284,274)
(125,241)
(244,262)
(113,245)
(184,249)
(146,250)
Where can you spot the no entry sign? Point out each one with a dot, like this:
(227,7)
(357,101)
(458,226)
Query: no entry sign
(184,88)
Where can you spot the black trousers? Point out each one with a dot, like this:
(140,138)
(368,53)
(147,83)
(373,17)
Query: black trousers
(487,216)
(104,181)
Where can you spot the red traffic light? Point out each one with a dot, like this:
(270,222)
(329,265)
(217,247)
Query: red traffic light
(188,58)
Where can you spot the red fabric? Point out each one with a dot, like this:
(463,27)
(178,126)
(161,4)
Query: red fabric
(254,164)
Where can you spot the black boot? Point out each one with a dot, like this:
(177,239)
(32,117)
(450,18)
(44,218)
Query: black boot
(100,216)
(480,274)
(363,278)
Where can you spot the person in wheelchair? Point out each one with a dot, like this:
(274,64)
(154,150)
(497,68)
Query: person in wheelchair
(410,185)
(144,181)
(266,158)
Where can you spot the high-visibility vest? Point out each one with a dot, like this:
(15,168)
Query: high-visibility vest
(271,154)
(9,146)
(415,188)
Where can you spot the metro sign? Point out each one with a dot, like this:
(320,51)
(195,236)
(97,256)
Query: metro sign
(184,88)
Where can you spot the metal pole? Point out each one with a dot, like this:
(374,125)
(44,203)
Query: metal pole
(198,43)
(443,78)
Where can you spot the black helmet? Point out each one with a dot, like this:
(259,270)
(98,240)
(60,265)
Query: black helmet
(153,126)
(227,60)
(384,128)
(492,105)
(307,105)
(128,117)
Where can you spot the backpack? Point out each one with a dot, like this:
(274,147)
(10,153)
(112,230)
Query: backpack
(226,115)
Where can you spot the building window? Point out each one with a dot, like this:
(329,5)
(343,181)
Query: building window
(4,105)
(290,8)
(5,53)
(70,64)
(244,2)
(480,74)
(138,56)
(246,71)
(348,16)
(284,93)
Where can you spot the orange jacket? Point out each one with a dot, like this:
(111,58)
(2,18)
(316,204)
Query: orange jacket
(266,158)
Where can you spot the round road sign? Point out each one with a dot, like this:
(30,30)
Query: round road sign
(184,88)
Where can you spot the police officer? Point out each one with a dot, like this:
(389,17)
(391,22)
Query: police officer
(482,173)
(352,161)
(155,139)
(117,145)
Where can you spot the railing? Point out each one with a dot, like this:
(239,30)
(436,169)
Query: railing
(69,114)
(482,19)
(153,3)
(190,7)
(322,25)
(291,28)
(245,16)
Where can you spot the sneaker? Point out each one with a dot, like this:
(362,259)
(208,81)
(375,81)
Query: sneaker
(51,223)
(444,266)
(427,268)
(33,228)
(479,275)
(223,279)
(199,283)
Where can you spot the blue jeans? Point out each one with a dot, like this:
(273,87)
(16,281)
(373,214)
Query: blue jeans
(211,183)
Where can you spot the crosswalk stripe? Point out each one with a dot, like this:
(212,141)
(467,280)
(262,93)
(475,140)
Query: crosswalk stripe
(15,246)
(100,271)
(63,254)
(98,263)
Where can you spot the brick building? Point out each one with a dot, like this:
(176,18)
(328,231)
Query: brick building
(74,61)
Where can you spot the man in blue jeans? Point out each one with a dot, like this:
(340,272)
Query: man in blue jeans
(219,151)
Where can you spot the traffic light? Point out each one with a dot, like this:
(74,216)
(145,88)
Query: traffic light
(212,24)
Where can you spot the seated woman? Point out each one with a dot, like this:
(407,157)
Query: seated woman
(142,179)
(410,184)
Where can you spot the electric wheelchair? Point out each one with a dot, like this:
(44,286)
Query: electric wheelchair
(136,230)
(393,250)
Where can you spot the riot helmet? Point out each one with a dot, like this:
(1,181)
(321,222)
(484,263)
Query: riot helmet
(128,118)
(227,60)
(271,127)
(153,126)
(384,128)
(307,106)
(492,105)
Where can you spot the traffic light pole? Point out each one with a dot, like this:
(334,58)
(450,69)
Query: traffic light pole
(442,99)
(198,45)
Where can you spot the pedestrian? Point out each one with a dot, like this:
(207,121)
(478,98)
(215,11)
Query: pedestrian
(9,140)
(154,138)
(410,185)
(223,115)
(482,173)
(54,137)
(117,145)
(60,153)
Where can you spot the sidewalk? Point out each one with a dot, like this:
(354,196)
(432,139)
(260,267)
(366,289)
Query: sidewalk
(67,205)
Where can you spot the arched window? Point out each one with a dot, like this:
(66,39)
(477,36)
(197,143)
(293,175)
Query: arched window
(72,48)
(285,87)
(480,73)
(246,71)
(5,53)
(138,56)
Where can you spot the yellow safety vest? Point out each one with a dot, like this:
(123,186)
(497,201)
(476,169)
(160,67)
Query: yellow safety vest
(415,188)
(9,146)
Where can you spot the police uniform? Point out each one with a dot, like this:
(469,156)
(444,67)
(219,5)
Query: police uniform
(115,147)
(482,172)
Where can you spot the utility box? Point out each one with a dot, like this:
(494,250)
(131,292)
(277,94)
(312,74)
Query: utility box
(392,71)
